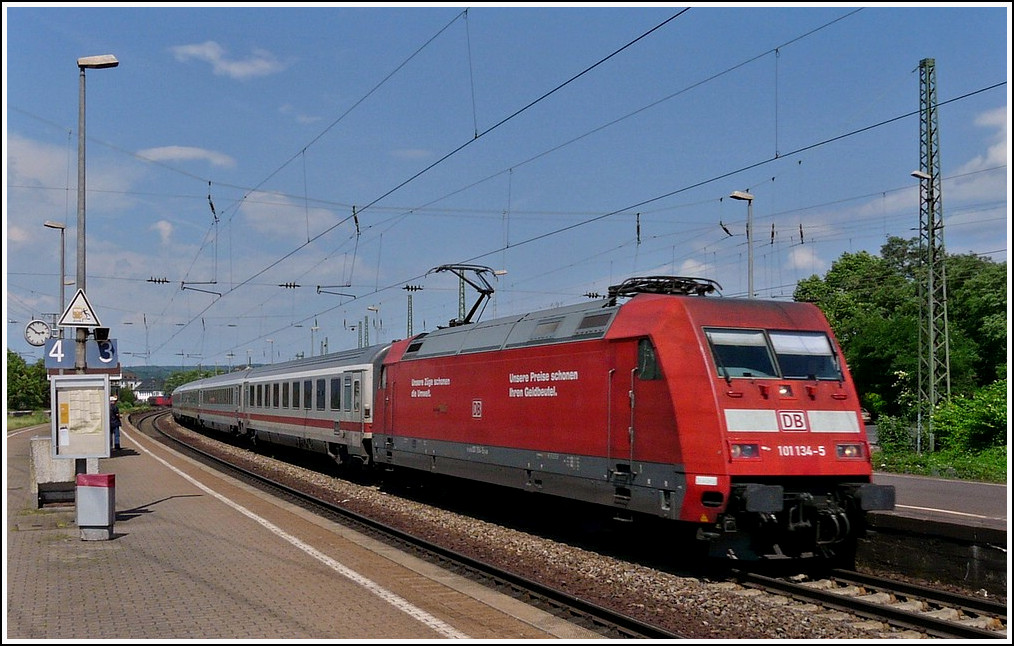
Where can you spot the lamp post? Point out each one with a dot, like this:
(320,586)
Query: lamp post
(312,330)
(743,195)
(366,324)
(81,336)
(63,252)
(271,349)
(96,63)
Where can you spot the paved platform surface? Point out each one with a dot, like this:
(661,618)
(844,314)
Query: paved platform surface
(194,555)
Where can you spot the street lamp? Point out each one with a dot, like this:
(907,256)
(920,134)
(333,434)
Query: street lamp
(366,325)
(312,330)
(63,251)
(96,63)
(271,346)
(743,195)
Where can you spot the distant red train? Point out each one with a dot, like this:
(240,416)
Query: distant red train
(737,419)
(161,401)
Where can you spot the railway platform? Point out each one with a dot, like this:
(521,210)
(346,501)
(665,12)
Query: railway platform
(196,555)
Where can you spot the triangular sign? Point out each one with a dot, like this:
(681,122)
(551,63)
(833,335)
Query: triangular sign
(79,313)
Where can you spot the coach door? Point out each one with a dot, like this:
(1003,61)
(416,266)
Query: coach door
(353,399)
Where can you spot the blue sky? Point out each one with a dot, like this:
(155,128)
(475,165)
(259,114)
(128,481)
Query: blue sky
(350,150)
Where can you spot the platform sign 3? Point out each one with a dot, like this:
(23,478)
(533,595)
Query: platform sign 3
(101,354)
(98,354)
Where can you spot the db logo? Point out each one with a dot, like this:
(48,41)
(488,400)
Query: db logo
(792,420)
(477,408)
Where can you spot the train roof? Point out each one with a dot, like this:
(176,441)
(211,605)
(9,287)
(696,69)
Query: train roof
(355,356)
(574,322)
(588,320)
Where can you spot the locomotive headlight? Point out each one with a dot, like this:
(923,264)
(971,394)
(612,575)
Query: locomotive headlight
(846,451)
(744,451)
(785,390)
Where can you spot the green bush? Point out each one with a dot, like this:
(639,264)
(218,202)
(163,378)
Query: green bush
(973,424)
(894,435)
(988,466)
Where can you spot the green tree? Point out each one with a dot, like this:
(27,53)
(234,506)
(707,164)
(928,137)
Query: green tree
(179,378)
(872,310)
(977,309)
(127,396)
(874,305)
(27,385)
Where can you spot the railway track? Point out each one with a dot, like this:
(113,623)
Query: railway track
(924,610)
(903,609)
(608,623)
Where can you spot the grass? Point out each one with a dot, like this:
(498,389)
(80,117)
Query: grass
(37,417)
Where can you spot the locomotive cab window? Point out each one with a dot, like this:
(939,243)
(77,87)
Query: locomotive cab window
(741,353)
(805,355)
(647,361)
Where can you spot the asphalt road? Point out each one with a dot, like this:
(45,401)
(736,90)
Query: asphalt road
(963,502)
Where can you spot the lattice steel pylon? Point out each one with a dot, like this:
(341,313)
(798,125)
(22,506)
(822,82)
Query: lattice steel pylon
(934,343)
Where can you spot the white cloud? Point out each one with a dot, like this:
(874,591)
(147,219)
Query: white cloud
(693,267)
(996,153)
(260,63)
(282,218)
(37,187)
(164,229)
(186,153)
(806,259)
(289,110)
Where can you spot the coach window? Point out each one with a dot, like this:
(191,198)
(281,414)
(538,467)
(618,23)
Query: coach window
(250,396)
(285,395)
(295,394)
(274,395)
(647,361)
(321,394)
(260,394)
(348,393)
(336,390)
(307,394)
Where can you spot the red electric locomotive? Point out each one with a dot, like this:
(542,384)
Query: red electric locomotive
(736,419)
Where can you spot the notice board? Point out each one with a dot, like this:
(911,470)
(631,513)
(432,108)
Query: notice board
(80,415)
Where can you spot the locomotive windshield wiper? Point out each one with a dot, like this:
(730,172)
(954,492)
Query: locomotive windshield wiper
(721,365)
